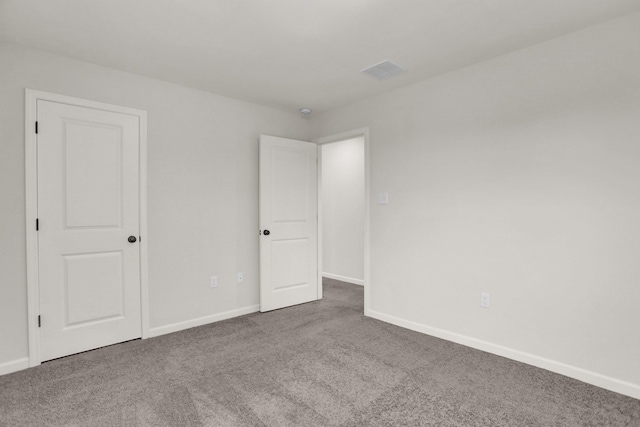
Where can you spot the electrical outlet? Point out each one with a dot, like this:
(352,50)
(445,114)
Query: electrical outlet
(240,278)
(214,281)
(484,300)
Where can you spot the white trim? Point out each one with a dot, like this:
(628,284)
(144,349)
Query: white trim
(599,380)
(31,192)
(319,217)
(363,132)
(343,278)
(31,195)
(144,241)
(14,366)
(205,320)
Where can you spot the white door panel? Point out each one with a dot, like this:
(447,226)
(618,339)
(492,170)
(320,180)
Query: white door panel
(288,210)
(93,160)
(88,192)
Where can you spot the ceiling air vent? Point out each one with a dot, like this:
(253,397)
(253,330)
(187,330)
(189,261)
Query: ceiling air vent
(384,70)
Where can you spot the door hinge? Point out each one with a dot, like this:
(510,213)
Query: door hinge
(39,321)
(36,127)
(37,224)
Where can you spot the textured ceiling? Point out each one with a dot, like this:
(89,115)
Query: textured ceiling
(293,53)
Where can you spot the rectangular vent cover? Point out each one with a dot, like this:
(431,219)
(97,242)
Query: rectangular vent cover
(384,70)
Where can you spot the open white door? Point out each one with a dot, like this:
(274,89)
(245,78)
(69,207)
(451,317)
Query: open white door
(288,222)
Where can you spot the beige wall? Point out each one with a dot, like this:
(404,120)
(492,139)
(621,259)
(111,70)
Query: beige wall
(202,187)
(520,177)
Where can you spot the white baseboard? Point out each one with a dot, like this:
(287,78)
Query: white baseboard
(599,380)
(343,278)
(14,365)
(175,327)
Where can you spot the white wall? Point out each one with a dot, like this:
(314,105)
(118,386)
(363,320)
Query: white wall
(202,185)
(518,176)
(343,210)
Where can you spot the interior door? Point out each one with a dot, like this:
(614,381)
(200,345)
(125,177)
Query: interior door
(289,222)
(88,214)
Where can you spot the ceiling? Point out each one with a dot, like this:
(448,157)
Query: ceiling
(290,54)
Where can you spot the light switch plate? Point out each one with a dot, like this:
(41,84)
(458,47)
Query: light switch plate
(383,198)
(484,300)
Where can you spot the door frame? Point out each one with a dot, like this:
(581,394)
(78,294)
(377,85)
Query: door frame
(31,188)
(364,133)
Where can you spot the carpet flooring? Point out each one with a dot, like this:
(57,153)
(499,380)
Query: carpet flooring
(316,364)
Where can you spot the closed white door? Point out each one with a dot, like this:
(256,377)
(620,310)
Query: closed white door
(88,210)
(288,222)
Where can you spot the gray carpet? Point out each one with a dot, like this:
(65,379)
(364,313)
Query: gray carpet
(315,364)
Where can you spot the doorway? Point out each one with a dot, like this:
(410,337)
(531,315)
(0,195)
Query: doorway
(343,209)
